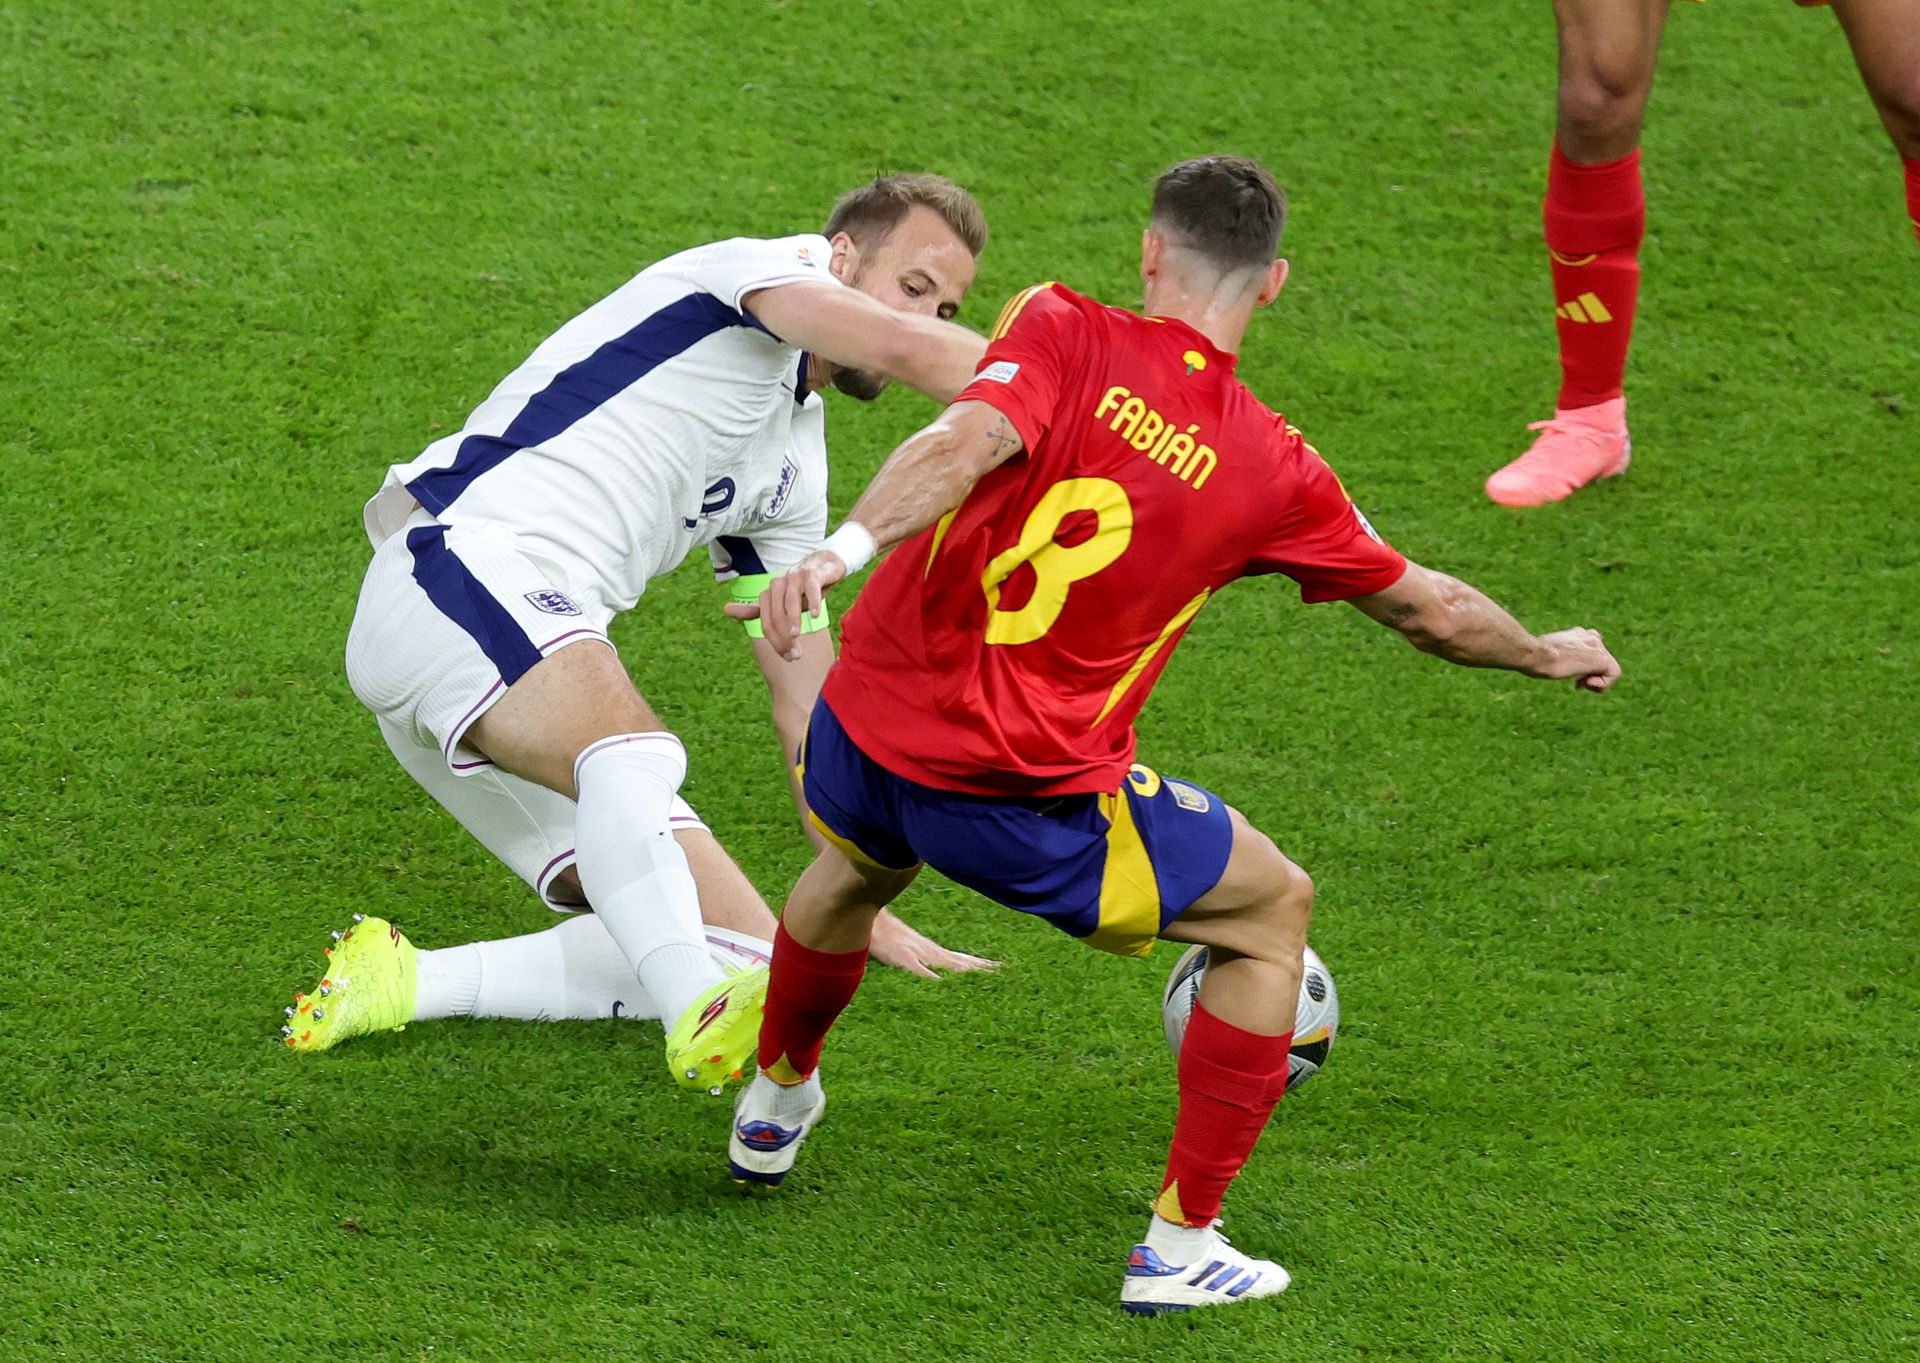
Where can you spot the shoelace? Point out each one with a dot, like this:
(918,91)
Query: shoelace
(1536,456)
(1560,426)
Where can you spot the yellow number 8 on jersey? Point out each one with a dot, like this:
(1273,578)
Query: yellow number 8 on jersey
(1056,567)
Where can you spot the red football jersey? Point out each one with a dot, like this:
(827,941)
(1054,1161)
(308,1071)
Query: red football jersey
(1006,650)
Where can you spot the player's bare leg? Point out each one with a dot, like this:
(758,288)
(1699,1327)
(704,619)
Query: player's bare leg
(1595,218)
(1885,37)
(836,900)
(819,957)
(1233,1070)
(1608,51)
(575,724)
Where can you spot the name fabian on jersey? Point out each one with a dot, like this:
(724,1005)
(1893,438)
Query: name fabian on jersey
(1162,441)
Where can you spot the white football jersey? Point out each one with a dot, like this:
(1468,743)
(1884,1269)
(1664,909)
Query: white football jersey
(663,417)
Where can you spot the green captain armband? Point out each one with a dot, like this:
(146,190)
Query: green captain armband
(747,588)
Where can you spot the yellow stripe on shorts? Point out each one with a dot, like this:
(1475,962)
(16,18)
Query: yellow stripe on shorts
(847,848)
(1129,893)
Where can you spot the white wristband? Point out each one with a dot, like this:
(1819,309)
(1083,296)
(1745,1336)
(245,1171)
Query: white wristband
(853,543)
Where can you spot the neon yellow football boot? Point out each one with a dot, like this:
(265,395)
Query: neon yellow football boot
(368,987)
(715,1037)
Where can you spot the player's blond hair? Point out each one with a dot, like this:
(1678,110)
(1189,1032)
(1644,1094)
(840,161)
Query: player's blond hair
(870,213)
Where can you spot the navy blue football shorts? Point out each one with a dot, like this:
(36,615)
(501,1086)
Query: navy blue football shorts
(1112,870)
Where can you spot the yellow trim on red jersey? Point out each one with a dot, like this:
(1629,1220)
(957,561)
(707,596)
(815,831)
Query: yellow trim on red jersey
(1012,310)
(940,529)
(1180,617)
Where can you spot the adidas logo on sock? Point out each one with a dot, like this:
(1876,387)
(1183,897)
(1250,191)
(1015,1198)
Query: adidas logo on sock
(1585,308)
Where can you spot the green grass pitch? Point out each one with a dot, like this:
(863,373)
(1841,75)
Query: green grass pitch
(1630,981)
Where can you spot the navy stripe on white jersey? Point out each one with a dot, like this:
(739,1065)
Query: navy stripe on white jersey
(581,388)
(600,452)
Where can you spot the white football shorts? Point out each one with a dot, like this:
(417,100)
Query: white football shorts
(449,617)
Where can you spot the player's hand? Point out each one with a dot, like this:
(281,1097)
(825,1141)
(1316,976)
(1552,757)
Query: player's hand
(801,591)
(1581,656)
(897,945)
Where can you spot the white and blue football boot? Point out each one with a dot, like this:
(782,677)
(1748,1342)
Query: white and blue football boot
(769,1122)
(1214,1274)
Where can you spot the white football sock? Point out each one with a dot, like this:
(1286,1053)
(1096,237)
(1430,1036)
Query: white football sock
(1177,1244)
(634,873)
(447,983)
(597,981)
(573,970)
(784,1103)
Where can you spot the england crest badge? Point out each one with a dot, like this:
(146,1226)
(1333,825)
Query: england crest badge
(552,602)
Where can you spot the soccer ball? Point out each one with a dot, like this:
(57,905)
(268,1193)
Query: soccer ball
(1314,1024)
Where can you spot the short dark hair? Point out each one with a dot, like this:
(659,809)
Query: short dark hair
(870,213)
(1227,208)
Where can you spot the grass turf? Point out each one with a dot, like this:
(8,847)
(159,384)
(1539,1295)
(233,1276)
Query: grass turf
(1629,982)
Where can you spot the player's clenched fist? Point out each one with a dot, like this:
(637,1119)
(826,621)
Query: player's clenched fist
(1581,655)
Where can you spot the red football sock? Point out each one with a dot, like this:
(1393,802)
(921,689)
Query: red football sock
(1913,194)
(1596,217)
(1229,1082)
(806,991)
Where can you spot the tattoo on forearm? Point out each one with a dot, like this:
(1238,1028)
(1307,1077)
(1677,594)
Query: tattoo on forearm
(1402,613)
(1006,440)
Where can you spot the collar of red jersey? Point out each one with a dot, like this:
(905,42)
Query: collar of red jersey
(1212,351)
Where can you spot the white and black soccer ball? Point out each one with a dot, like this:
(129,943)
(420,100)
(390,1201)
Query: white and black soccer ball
(1314,1024)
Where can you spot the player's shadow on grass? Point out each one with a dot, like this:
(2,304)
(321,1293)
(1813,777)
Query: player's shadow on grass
(476,1118)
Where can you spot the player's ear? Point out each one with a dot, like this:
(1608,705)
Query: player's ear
(845,264)
(1276,281)
(1153,250)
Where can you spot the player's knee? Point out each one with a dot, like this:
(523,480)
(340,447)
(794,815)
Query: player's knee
(1899,106)
(1601,104)
(1281,889)
(1286,909)
(1295,898)
(837,882)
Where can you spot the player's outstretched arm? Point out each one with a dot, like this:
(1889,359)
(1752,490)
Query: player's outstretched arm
(1444,616)
(850,328)
(925,478)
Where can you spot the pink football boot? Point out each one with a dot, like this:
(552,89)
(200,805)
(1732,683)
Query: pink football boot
(1573,448)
